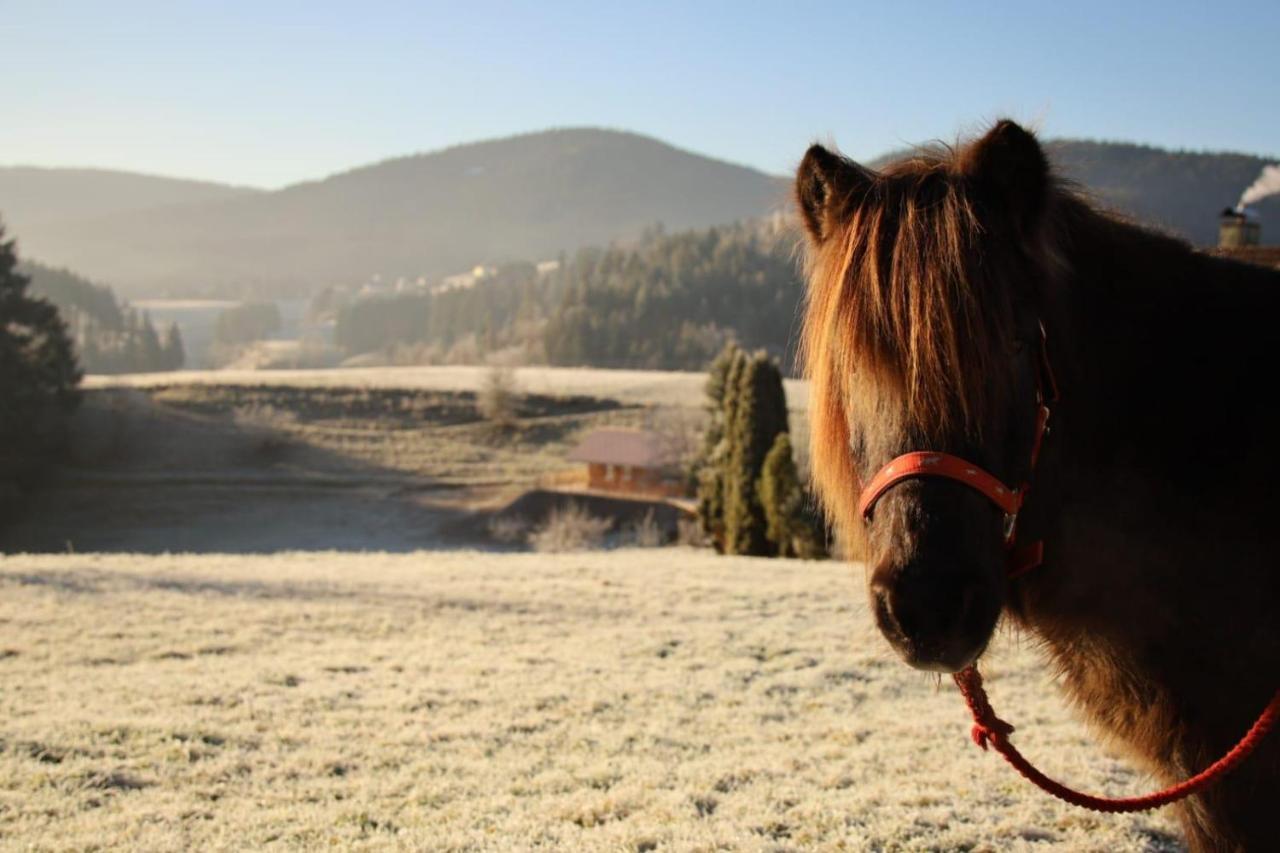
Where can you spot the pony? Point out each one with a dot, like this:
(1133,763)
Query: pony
(937,287)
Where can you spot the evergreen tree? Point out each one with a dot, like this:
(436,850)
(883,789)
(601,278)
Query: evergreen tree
(38,372)
(721,389)
(173,354)
(759,413)
(151,354)
(791,526)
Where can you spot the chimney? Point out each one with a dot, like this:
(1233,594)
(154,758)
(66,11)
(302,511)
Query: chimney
(1238,227)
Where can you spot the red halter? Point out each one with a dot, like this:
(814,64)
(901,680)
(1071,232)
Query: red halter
(920,464)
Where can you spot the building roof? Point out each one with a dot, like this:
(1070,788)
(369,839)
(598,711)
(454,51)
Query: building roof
(634,447)
(1266,256)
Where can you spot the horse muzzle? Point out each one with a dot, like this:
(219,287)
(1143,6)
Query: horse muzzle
(936,620)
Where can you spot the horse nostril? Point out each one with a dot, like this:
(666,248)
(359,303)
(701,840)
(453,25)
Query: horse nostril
(924,612)
(881,597)
(937,620)
(899,613)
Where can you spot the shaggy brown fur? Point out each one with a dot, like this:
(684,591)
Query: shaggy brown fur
(1156,494)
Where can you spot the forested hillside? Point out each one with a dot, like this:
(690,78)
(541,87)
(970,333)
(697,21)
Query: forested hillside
(672,301)
(675,300)
(108,337)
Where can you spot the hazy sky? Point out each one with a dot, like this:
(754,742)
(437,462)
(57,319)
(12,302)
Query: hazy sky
(269,93)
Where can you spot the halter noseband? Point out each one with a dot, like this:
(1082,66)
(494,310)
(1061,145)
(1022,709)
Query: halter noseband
(921,464)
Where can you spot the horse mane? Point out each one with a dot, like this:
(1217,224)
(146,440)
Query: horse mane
(909,309)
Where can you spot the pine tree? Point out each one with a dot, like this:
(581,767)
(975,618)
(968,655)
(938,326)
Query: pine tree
(759,414)
(38,372)
(150,350)
(791,525)
(721,389)
(174,355)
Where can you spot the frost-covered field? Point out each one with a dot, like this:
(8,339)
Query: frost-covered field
(634,700)
(645,387)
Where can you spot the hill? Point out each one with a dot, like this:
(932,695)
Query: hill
(520,198)
(31,199)
(1183,191)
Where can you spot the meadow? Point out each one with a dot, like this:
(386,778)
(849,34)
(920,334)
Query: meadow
(267,614)
(647,699)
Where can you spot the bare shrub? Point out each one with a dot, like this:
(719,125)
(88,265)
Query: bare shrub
(569,528)
(466,350)
(689,532)
(508,530)
(268,424)
(647,533)
(497,399)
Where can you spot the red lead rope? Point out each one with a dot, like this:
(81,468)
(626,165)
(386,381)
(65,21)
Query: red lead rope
(990,729)
(987,727)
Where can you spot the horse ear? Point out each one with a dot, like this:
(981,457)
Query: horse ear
(825,182)
(1011,169)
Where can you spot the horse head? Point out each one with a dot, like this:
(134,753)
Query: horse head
(922,332)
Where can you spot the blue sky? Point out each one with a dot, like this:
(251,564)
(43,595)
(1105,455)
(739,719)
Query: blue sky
(270,93)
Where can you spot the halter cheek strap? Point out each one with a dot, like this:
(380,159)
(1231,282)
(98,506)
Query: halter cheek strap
(922,464)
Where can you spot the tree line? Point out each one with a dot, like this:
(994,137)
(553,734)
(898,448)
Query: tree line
(671,301)
(108,337)
(247,323)
(675,300)
(453,324)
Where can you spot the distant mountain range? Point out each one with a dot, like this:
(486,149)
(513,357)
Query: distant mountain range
(521,198)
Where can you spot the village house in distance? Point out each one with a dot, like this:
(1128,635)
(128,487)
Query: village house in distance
(629,461)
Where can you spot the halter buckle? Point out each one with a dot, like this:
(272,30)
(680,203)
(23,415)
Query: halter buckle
(1010,527)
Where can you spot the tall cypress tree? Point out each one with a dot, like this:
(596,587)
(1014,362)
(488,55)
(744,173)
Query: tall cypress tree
(759,415)
(722,392)
(38,372)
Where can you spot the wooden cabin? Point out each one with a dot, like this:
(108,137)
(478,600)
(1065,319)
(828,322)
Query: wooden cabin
(629,461)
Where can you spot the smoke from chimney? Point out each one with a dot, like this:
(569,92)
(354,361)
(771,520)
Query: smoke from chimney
(1268,183)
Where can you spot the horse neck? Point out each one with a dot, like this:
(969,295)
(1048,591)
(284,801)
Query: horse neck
(1161,471)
